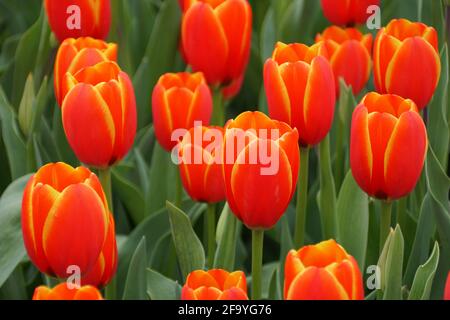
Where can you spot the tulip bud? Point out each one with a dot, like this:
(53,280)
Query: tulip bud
(76,54)
(388,145)
(64,219)
(406,61)
(178,100)
(63,292)
(300,89)
(349,54)
(347,12)
(324,271)
(259,151)
(81,18)
(99,114)
(216,284)
(201,164)
(216,39)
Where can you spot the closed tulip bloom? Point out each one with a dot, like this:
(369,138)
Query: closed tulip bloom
(347,12)
(179,100)
(64,219)
(300,89)
(106,266)
(99,114)
(216,38)
(63,292)
(216,284)
(76,54)
(261,161)
(324,271)
(201,164)
(349,54)
(81,18)
(388,145)
(406,61)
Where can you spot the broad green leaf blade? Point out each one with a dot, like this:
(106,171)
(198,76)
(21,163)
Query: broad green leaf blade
(423,280)
(135,285)
(190,252)
(353,219)
(394,266)
(161,288)
(26,105)
(12,249)
(226,236)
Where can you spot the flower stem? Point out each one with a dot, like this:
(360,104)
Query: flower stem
(218,117)
(178,191)
(257,253)
(401,212)
(211,223)
(385,221)
(105,179)
(302,197)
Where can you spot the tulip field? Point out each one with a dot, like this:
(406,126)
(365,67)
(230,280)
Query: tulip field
(224,150)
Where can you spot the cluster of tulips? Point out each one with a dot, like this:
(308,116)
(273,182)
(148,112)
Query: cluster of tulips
(66,213)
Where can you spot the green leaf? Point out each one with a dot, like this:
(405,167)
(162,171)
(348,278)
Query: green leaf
(226,237)
(438,128)
(26,105)
(274,288)
(39,105)
(159,56)
(190,252)
(12,250)
(394,265)
(160,287)
(423,280)
(353,219)
(135,285)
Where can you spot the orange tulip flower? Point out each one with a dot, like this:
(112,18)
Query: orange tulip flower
(324,271)
(179,99)
(347,12)
(81,18)
(300,89)
(106,266)
(62,292)
(447,288)
(349,51)
(259,151)
(64,219)
(76,54)
(216,284)
(406,61)
(216,39)
(201,164)
(388,145)
(99,114)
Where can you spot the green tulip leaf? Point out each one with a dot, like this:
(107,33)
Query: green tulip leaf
(135,285)
(423,280)
(161,288)
(226,236)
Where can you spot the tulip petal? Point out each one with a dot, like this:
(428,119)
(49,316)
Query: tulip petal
(233,294)
(408,138)
(348,274)
(384,48)
(293,266)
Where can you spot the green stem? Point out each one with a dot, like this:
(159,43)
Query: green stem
(211,223)
(178,191)
(218,117)
(105,179)
(327,198)
(257,254)
(385,222)
(302,197)
(401,212)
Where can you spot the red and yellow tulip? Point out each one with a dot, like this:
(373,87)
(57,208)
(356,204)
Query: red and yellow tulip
(99,114)
(76,54)
(201,164)
(347,12)
(63,292)
(324,271)
(178,100)
(300,89)
(388,145)
(216,284)
(65,219)
(248,137)
(349,54)
(406,61)
(81,18)
(216,39)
